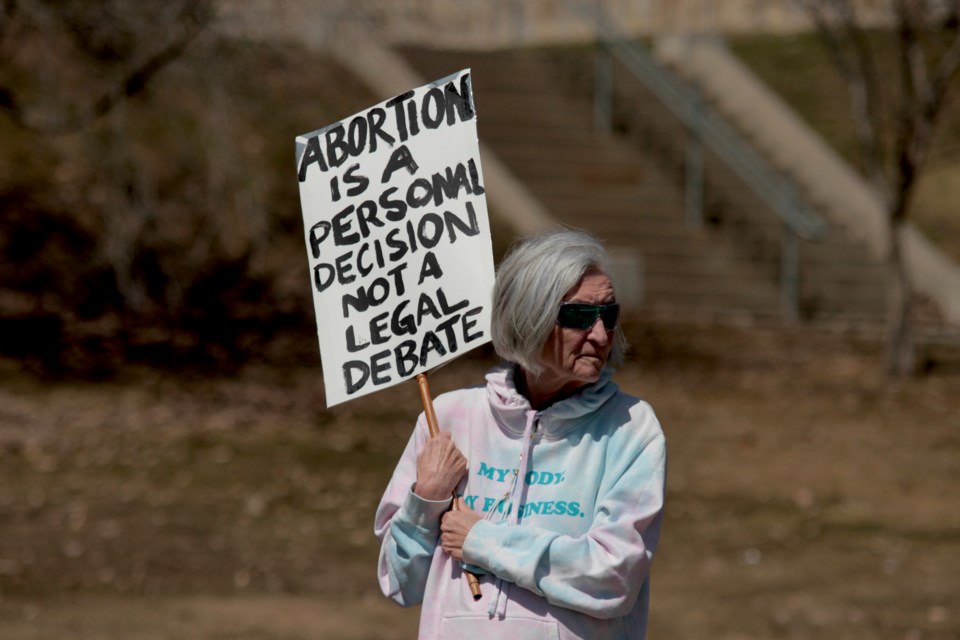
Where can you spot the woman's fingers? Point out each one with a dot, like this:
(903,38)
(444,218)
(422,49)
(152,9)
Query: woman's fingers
(440,466)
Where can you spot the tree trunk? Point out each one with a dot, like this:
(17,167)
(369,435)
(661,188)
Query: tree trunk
(901,354)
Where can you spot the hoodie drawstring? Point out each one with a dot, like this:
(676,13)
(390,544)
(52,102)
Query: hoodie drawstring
(498,605)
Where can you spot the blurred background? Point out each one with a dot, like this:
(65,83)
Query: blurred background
(779,181)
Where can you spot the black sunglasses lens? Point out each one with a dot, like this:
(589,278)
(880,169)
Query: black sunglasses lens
(583,316)
(609,314)
(577,316)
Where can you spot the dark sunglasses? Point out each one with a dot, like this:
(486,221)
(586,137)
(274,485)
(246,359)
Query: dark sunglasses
(576,315)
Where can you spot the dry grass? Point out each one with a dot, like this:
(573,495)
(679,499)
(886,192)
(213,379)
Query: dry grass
(808,497)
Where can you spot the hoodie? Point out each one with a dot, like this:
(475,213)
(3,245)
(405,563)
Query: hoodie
(572,500)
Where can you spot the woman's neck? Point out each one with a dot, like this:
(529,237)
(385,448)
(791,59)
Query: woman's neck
(543,392)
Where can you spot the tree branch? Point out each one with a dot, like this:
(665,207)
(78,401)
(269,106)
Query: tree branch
(909,133)
(836,25)
(190,20)
(946,69)
(868,124)
(135,80)
(8,11)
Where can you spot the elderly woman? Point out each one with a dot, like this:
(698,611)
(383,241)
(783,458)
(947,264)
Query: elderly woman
(562,496)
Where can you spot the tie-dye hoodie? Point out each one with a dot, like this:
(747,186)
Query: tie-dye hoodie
(572,500)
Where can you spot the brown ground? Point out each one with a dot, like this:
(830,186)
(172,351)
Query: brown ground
(808,497)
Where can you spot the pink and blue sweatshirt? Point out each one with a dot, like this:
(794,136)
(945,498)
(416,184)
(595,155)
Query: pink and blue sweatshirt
(572,501)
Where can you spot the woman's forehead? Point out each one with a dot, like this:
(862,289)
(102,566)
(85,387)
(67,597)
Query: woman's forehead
(594,287)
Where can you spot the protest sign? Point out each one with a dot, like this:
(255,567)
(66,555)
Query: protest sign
(397,237)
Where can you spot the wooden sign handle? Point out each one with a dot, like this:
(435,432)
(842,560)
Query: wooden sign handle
(472,581)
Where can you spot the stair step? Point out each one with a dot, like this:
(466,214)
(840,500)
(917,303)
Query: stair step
(535,112)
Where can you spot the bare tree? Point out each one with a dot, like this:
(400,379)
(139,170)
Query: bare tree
(88,55)
(895,115)
(69,66)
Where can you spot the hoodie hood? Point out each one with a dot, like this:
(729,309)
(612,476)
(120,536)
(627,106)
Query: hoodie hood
(510,408)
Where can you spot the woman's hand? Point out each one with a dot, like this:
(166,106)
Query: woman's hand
(455,526)
(440,467)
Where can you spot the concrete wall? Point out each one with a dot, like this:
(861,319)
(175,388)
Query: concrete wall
(488,24)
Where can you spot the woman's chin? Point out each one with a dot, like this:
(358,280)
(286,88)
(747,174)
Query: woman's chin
(588,369)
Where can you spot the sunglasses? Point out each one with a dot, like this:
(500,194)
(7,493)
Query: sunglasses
(576,315)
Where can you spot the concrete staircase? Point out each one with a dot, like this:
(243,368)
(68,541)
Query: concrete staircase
(535,112)
(841,279)
(541,126)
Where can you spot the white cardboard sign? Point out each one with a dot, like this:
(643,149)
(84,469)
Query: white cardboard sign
(398,237)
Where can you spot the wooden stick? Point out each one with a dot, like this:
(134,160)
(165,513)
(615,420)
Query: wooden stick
(472,581)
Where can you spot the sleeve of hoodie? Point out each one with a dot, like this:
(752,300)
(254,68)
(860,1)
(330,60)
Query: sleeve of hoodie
(601,572)
(408,528)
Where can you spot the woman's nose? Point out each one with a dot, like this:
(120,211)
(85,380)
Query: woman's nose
(598,333)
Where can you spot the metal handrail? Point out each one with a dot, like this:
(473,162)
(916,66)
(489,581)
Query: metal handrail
(708,127)
(728,145)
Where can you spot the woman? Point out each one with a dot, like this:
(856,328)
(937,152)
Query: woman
(562,497)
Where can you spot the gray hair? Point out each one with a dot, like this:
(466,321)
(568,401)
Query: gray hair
(530,285)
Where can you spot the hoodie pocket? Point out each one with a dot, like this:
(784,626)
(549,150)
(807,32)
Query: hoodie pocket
(514,628)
